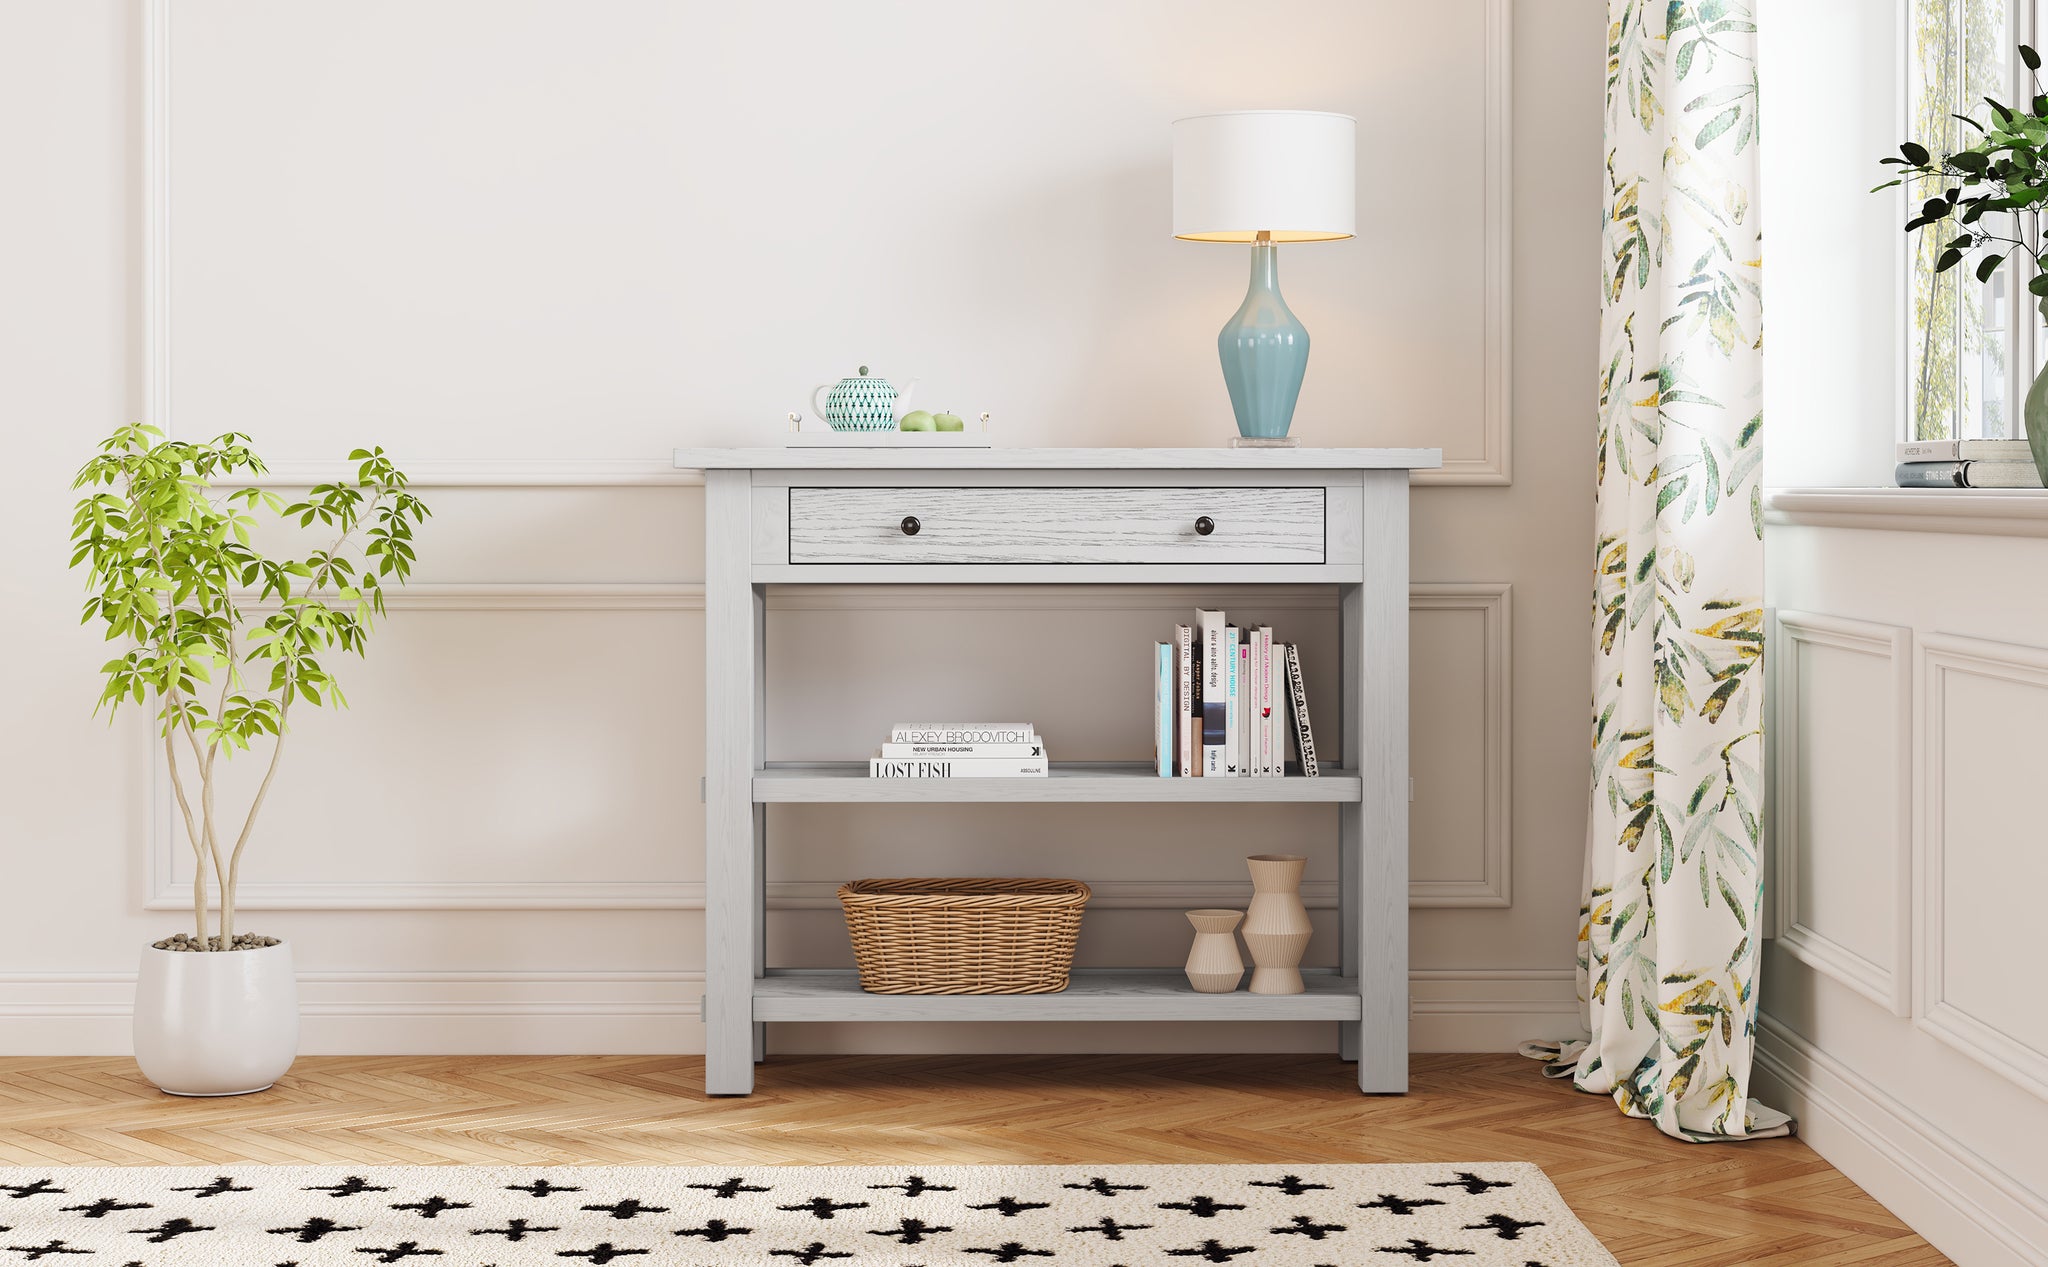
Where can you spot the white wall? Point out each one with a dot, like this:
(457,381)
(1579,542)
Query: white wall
(1910,660)
(531,247)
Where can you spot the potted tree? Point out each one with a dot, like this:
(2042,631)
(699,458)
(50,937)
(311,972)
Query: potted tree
(221,641)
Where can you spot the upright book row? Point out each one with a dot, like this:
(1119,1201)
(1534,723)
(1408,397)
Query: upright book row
(1225,701)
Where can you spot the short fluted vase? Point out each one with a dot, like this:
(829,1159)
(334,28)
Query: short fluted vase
(1264,350)
(1214,966)
(1276,928)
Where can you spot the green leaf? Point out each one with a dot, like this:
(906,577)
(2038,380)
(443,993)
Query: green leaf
(2030,57)
(1716,126)
(1987,266)
(1915,153)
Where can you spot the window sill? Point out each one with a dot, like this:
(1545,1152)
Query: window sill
(1981,512)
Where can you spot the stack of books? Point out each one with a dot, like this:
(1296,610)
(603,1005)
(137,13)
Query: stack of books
(1967,464)
(960,750)
(1225,701)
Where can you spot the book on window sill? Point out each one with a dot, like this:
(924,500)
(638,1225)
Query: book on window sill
(955,751)
(1972,474)
(1965,451)
(959,768)
(953,732)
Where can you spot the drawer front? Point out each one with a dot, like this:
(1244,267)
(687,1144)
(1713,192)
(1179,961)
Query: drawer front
(1057,525)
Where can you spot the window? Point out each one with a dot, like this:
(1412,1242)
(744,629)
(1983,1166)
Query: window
(1972,347)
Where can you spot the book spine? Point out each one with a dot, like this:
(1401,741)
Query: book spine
(1304,737)
(1162,709)
(1231,709)
(1930,451)
(1215,701)
(961,768)
(962,732)
(1930,474)
(1247,708)
(1184,703)
(1276,708)
(912,751)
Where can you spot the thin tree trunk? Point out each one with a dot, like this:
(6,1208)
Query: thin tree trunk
(207,821)
(232,880)
(192,835)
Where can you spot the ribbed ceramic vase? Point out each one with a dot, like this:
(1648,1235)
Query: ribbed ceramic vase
(1214,966)
(1276,928)
(1264,349)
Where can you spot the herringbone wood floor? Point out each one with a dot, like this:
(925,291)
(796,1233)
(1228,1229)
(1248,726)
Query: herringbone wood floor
(1654,1202)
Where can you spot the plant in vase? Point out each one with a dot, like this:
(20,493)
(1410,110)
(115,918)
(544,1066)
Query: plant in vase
(222,641)
(2000,182)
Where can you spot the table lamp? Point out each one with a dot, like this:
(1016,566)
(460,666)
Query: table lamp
(1264,177)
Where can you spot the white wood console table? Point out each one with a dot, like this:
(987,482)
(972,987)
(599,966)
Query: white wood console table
(1031,516)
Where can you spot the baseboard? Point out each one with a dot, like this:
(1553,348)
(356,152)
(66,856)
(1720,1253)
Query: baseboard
(634,1013)
(1964,1206)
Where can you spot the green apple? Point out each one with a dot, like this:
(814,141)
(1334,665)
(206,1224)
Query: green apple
(949,422)
(916,420)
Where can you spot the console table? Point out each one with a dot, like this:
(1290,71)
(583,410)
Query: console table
(958,516)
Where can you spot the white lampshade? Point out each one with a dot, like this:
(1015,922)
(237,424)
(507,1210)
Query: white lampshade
(1288,173)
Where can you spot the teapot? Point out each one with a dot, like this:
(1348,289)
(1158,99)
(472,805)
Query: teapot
(860,403)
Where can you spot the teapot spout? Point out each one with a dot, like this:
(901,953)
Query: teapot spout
(903,397)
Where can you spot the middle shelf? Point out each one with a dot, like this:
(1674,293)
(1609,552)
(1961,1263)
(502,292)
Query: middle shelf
(848,782)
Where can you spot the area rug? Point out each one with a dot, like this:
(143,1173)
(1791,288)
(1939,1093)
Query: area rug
(1478,1214)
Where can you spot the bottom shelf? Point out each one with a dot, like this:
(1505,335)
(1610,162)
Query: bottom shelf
(1093,994)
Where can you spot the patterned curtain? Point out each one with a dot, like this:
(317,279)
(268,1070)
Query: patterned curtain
(1668,936)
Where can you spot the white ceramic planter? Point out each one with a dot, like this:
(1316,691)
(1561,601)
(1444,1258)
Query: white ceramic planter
(216,1023)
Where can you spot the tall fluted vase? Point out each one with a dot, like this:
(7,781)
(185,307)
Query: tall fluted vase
(1276,928)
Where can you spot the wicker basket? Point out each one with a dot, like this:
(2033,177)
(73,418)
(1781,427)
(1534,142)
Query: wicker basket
(963,936)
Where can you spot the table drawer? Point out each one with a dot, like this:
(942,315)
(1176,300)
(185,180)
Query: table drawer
(1057,525)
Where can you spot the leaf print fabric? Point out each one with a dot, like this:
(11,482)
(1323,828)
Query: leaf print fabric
(1668,937)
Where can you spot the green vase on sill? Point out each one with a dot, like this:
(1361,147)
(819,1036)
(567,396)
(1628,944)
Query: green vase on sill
(2035,412)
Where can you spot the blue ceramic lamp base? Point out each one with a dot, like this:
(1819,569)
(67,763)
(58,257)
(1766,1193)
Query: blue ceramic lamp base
(1264,350)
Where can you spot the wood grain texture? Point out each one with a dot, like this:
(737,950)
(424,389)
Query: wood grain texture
(1216,459)
(1654,1201)
(1056,525)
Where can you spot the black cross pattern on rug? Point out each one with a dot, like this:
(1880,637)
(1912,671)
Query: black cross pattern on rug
(814,1252)
(1011,1207)
(399,1252)
(715,1230)
(514,1230)
(1306,1226)
(630,1208)
(1111,1229)
(432,1206)
(312,1230)
(1422,1251)
(1472,1184)
(1103,1187)
(539,1188)
(40,1188)
(33,1252)
(105,1206)
(600,1253)
(915,1186)
(824,1207)
(1398,1205)
(1211,1251)
(727,1189)
(221,1186)
(1011,1252)
(1505,1226)
(169,1230)
(1200,1207)
(354,1185)
(910,1231)
(1292,1185)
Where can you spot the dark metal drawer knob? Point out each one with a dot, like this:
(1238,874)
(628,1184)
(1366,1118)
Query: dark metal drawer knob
(910,525)
(1204,526)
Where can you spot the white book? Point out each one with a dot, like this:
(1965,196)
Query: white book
(1247,705)
(1276,706)
(1231,769)
(962,732)
(1215,686)
(1187,747)
(912,750)
(959,768)
(1162,709)
(1965,451)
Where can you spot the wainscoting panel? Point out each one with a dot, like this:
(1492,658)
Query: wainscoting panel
(1842,801)
(1983,868)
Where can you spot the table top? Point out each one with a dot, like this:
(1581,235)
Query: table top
(964,459)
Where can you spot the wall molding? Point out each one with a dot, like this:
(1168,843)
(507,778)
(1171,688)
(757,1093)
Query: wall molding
(1974,511)
(1494,601)
(1966,1206)
(1943,655)
(1889,985)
